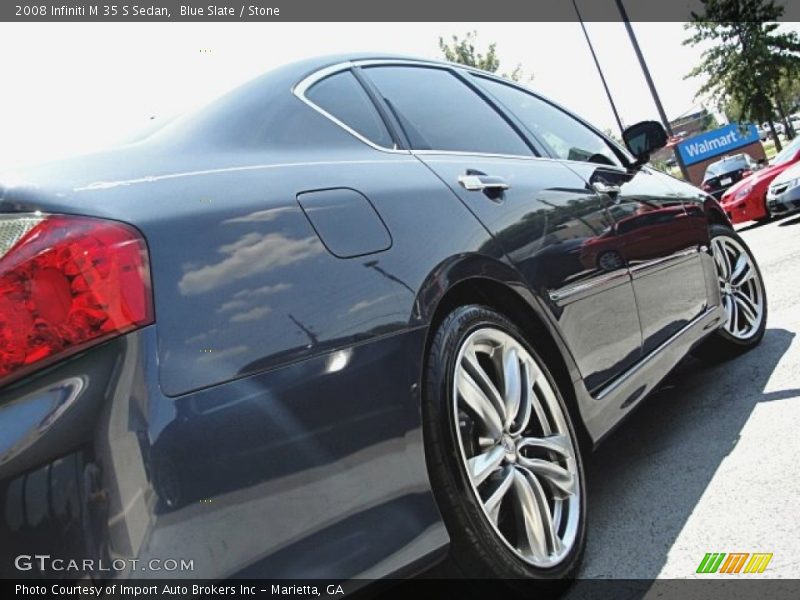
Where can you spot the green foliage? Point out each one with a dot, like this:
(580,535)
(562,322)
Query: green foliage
(789,92)
(710,122)
(748,57)
(659,165)
(463,51)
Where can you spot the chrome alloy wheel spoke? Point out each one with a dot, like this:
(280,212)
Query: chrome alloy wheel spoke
(722,259)
(497,493)
(480,400)
(742,271)
(559,478)
(746,307)
(516,447)
(483,465)
(534,519)
(512,383)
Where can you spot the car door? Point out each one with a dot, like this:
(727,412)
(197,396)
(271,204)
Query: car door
(542,213)
(663,256)
(652,233)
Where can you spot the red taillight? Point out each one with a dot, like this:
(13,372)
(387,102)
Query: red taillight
(67,283)
(746,173)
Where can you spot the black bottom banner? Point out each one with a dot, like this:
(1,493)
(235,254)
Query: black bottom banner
(414,589)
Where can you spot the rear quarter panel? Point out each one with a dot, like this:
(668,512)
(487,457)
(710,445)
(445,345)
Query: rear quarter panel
(268,424)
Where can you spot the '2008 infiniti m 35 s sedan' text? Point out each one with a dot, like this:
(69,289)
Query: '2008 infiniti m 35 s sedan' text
(358,316)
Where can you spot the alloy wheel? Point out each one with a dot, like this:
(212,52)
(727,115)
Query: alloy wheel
(516,447)
(610,261)
(740,287)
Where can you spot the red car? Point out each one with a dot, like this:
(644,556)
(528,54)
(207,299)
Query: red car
(747,199)
(641,236)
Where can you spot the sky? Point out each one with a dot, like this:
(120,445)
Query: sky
(74,87)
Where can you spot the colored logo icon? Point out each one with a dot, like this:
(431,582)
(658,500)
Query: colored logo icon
(734,563)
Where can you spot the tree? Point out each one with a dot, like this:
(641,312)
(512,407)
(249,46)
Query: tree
(789,91)
(748,58)
(462,51)
(787,100)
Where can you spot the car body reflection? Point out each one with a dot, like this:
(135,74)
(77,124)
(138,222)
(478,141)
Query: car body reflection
(646,234)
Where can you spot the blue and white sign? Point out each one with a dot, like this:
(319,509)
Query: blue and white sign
(713,143)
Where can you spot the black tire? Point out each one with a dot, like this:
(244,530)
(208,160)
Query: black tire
(476,549)
(722,345)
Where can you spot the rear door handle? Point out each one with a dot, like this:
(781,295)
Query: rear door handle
(481,183)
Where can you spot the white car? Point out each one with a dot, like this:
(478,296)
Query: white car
(783,194)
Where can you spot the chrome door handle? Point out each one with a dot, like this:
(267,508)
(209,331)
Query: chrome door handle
(602,187)
(480,183)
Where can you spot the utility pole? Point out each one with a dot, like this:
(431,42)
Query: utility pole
(599,70)
(650,83)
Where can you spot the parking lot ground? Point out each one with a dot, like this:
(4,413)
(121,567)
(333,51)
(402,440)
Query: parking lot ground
(709,463)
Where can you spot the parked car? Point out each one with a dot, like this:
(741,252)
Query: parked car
(337,325)
(783,194)
(747,200)
(779,128)
(722,174)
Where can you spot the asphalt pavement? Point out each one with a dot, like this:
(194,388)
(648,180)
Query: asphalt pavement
(709,463)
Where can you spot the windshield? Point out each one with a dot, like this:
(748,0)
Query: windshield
(725,166)
(787,154)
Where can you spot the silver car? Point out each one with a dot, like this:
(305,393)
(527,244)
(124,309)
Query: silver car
(783,194)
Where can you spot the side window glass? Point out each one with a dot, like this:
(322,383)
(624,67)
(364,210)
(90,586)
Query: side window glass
(437,111)
(564,136)
(342,96)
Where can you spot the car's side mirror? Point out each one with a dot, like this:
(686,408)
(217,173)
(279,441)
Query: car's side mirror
(644,138)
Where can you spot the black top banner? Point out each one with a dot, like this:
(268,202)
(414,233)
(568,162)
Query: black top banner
(356,10)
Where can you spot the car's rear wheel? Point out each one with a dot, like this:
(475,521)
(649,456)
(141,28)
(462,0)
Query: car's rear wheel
(743,297)
(502,454)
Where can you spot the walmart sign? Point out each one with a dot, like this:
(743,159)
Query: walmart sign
(713,143)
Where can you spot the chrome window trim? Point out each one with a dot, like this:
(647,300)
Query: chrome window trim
(300,89)
(456,153)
